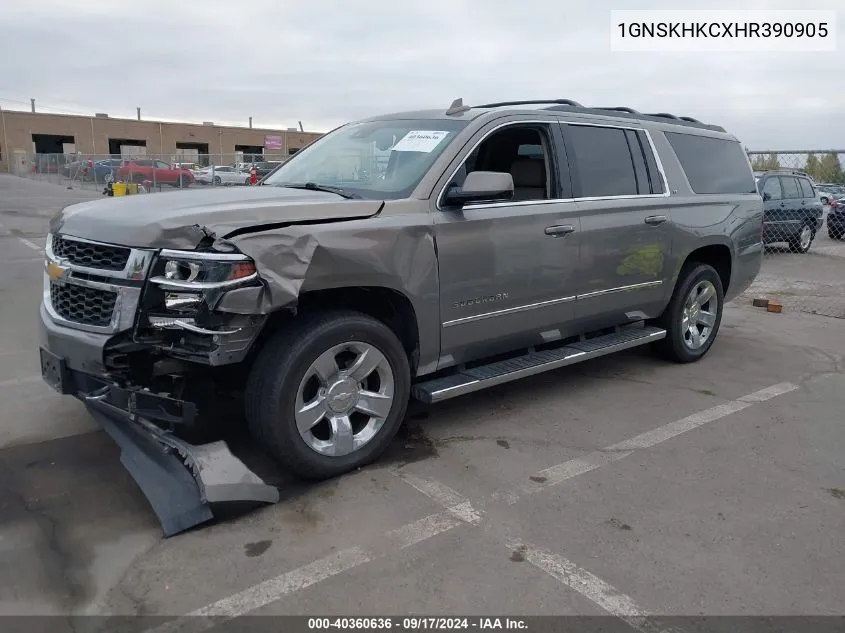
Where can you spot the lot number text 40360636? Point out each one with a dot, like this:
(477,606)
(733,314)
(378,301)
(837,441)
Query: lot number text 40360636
(417,623)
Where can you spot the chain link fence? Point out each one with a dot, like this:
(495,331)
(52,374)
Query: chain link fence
(146,173)
(804,200)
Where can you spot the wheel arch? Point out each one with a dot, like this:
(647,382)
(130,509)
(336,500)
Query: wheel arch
(717,255)
(387,305)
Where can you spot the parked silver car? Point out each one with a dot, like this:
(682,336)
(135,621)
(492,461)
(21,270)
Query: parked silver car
(221,175)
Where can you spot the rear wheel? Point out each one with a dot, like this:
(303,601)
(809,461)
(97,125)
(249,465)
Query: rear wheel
(328,393)
(801,243)
(693,316)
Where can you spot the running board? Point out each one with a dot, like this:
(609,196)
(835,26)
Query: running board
(503,371)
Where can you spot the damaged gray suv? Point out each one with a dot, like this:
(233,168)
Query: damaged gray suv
(418,255)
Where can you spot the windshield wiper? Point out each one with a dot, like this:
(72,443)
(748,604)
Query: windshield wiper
(313,186)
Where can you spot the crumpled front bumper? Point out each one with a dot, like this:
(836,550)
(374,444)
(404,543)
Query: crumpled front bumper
(181,481)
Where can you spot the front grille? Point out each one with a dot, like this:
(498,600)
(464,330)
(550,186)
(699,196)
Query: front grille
(87,306)
(90,255)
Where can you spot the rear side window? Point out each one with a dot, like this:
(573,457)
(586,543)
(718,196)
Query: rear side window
(807,190)
(712,165)
(603,161)
(790,187)
(611,161)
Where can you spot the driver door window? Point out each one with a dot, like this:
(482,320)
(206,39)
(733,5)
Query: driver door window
(523,151)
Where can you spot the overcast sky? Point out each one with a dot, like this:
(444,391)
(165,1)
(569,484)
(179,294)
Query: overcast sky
(324,62)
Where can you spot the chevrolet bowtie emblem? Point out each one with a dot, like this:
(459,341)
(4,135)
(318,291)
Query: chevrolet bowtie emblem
(54,271)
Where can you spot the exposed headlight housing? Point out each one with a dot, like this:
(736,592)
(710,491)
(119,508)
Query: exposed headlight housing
(185,286)
(185,270)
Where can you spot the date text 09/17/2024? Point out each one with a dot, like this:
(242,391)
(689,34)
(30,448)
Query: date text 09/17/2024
(417,623)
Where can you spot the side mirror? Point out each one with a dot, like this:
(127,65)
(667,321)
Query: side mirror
(482,186)
(767,196)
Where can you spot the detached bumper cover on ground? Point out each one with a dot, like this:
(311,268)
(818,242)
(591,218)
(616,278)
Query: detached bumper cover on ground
(180,480)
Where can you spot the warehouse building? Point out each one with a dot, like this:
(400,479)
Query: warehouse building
(26,134)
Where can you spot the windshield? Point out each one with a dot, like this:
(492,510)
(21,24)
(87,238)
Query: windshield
(377,159)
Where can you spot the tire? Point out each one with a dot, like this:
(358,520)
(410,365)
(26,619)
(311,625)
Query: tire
(804,240)
(217,180)
(282,381)
(835,234)
(678,346)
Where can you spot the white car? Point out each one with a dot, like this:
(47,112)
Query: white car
(829,192)
(824,196)
(221,175)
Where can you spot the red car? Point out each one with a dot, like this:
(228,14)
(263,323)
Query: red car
(156,171)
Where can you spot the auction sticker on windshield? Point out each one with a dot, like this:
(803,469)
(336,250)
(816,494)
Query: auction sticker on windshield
(420,141)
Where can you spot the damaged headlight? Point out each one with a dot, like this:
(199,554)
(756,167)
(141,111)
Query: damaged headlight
(185,285)
(202,271)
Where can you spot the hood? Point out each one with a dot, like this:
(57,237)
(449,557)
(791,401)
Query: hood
(180,219)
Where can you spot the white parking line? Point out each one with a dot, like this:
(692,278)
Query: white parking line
(587,584)
(22,240)
(565,571)
(424,529)
(599,592)
(559,473)
(273,589)
(292,581)
(31,245)
(454,502)
(458,511)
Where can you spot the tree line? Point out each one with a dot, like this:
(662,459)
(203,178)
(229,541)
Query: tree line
(826,168)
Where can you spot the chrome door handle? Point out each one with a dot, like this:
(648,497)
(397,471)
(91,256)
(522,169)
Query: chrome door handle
(654,220)
(559,230)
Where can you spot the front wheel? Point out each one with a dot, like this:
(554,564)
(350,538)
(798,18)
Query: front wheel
(328,393)
(801,243)
(693,316)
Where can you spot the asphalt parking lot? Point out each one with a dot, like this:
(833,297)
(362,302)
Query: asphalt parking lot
(625,486)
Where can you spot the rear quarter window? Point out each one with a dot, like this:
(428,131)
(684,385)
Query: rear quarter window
(807,188)
(713,165)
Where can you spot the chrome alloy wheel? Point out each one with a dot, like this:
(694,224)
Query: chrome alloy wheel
(344,398)
(805,237)
(699,314)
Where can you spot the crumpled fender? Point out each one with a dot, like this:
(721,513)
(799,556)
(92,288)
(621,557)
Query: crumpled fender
(394,251)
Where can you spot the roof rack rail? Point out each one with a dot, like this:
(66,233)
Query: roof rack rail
(619,109)
(498,104)
(623,112)
(565,105)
